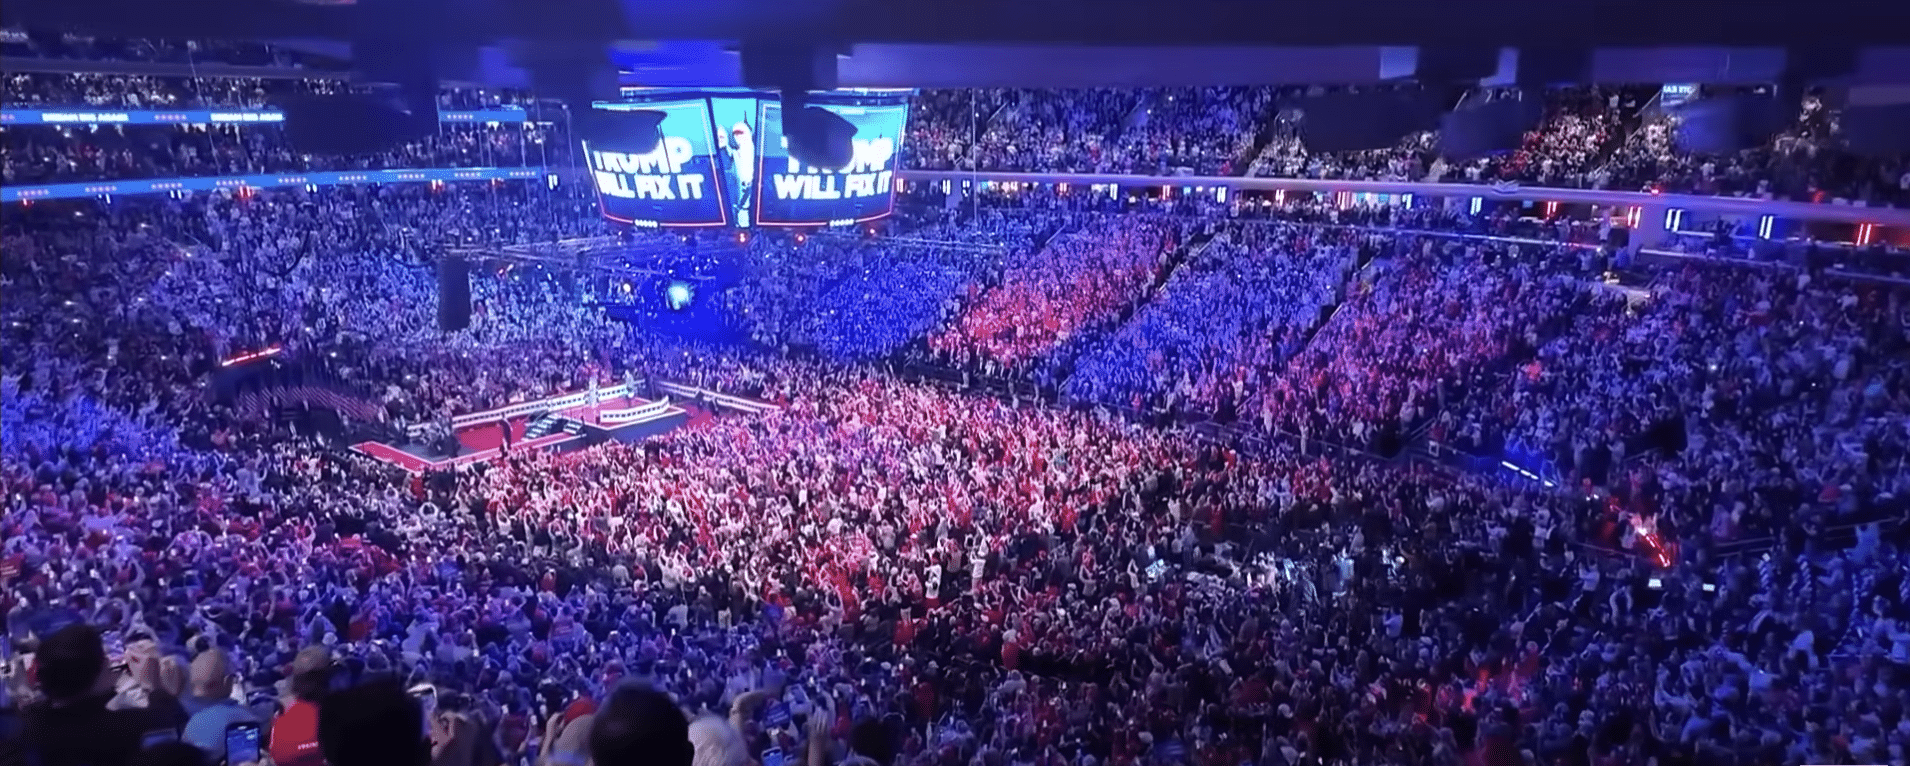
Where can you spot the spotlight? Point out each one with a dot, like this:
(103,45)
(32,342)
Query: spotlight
(679,295)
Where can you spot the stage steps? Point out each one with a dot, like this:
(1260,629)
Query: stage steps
(544,425)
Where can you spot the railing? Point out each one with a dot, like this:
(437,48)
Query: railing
(91,116)
(162,69)
(733,402)
(262,181)
(1726,205)
(640,414)
(521,409)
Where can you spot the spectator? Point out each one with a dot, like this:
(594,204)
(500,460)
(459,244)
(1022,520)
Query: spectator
(372,725)
(74,725)
(639,726)
(296,734)
(211,706)
(567,742)
(717,743)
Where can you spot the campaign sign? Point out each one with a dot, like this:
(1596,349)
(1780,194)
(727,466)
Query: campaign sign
(672,183)
(791,193)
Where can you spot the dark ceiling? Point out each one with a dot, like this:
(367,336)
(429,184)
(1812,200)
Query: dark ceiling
(1054,43)
(1135,22)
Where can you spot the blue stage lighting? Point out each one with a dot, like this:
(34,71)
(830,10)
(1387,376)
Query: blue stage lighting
(680,296)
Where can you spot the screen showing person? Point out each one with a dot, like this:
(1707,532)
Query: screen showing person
(834,168)
(652,164)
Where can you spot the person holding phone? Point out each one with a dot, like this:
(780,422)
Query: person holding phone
(73,725)
(242,743)
(215,714)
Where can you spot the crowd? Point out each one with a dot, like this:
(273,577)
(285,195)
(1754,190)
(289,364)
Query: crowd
(889,572)
(36,90)
(1803,162)
(1080,279)
(1587,137)
(160,92)
(48,44)
(1153,131)
(1224,323)
(859,299)
(36,154)
(64,154)
(1598,137)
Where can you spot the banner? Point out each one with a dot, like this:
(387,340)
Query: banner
(788,192)
(263,181)
(673,183)
(206,116)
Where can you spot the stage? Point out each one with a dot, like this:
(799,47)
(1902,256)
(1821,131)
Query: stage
(569,421)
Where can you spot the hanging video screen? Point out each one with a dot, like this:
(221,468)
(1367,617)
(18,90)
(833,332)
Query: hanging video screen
(794,192)
(652,164)
(723,159)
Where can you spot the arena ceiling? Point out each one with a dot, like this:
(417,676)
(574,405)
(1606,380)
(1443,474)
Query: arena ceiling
(1058,43)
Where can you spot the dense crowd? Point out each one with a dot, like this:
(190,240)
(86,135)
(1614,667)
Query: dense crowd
(1707,568)
(116,91)
(47,44)
(36,154)
(1224,323)
(1080,279)
(1596,137)
(1587,137)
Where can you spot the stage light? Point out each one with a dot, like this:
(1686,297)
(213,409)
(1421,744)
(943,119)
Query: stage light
(680,296)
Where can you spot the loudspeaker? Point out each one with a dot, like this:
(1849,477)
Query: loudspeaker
(818,137)
(1358,121)
(1493,127)
(1443,64)
(1881,130)
(454,295)
(636,131)
(1727,124)
(353,123)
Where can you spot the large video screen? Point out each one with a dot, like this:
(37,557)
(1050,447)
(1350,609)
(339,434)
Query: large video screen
(792,193)
(674,183)
(724,161)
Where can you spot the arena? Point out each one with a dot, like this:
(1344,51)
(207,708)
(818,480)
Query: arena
(994,402)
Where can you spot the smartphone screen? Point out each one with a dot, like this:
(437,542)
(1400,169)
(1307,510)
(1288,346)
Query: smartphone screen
(242,743)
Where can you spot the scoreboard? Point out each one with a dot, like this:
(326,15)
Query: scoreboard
(673,183)
(864,190)
(720,158)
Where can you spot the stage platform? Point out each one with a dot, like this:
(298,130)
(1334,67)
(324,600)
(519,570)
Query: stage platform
(562,423)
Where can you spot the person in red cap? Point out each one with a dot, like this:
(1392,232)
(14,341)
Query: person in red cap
(295,731)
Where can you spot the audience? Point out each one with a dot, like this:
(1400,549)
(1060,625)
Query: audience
(1700,556)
